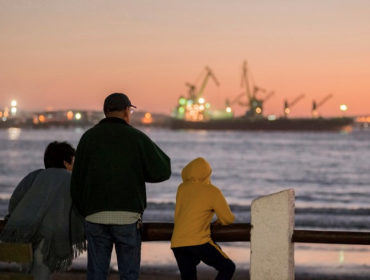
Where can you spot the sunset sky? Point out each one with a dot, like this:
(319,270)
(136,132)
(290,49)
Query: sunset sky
(70,54)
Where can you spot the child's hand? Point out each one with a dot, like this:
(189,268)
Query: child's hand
(217,222)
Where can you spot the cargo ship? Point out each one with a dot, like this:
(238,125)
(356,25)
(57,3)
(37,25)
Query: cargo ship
(264,124)
(193,112)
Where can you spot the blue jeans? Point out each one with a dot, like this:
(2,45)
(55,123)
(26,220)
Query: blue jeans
(100,240)
(190,256)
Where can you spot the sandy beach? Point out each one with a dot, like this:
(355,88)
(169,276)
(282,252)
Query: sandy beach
(170,272)
(319,263)
(205,273)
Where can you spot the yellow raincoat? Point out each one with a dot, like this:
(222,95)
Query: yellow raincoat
(197,201)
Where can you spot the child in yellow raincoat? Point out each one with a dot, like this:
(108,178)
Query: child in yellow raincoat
(197,201)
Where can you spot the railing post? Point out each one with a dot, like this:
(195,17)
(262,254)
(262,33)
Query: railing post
(272,252)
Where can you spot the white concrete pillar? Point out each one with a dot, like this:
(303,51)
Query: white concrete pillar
(272,252)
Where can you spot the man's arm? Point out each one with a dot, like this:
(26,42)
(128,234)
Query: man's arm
(77,186)
(156,164)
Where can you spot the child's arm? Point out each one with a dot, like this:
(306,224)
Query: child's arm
(222,210)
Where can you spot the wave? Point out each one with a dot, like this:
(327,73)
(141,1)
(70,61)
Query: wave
(298,210)
(305,218)
(325,218)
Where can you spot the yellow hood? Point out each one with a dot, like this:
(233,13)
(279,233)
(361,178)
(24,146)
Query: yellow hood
(197,170)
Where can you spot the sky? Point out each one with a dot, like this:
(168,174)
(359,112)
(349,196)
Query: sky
(71,54)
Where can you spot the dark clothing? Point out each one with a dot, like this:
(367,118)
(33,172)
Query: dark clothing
(127,243)
(113,161)
(41,212)
(189,257)
(20,191)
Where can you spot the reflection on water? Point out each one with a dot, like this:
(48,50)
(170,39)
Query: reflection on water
(329,171)
(14,133)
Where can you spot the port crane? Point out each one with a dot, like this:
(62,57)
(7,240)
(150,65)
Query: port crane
(193,107)
(241,95)
(254,103)
(287,105)
(315,105)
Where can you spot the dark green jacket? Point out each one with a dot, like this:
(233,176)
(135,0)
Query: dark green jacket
(113,161)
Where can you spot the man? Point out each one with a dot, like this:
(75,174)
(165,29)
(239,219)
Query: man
(113,161)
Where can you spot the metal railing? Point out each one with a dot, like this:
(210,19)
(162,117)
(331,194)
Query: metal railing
(240,232)
(271,235)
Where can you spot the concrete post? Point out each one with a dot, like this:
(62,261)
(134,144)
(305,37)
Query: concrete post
(272,250)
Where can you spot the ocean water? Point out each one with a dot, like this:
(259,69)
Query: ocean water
(329,171)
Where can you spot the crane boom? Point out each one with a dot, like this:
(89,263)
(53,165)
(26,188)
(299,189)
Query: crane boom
(236,98)
(317,105)
(269,95)
(324,100)
(296,100)
(208,75)
(288,105)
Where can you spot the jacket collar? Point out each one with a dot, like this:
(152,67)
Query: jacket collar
(113,120)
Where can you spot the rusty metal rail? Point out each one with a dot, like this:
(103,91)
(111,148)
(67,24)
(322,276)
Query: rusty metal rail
(231,233)
(241,232)
(331,237)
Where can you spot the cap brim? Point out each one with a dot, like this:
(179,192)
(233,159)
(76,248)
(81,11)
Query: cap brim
(133,106)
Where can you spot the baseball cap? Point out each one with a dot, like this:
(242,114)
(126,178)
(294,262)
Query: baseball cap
(117,102)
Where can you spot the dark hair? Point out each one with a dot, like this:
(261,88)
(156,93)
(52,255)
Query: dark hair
(58,152)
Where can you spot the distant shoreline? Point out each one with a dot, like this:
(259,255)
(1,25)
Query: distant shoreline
(85,119)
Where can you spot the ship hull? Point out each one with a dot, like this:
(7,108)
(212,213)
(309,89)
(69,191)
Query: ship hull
(304,124)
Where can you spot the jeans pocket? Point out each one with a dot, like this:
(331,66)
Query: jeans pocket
(94,229)
(126,230)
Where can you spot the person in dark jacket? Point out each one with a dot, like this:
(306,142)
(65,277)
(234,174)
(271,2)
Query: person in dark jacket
(113,161)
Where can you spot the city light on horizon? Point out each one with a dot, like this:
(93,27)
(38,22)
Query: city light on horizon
(343,107)
(78,116)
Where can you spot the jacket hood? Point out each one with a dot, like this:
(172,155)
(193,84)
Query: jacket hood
(197,170)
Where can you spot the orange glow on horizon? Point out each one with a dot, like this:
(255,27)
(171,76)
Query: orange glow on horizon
(70,115)
(147,118)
